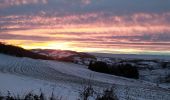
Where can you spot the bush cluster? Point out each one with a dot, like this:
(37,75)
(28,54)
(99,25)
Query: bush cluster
(125,70)
(30,96)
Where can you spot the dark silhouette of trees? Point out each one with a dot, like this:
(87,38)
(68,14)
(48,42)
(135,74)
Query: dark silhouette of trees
(125,70)
(20,52)
(99,66)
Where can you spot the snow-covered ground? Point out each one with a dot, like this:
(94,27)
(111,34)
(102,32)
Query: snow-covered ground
(23,85)
(132,56)
(21,75)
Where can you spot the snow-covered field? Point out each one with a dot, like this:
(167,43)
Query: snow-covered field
(132,56)
(21,75)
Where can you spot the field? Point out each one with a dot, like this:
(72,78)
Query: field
(22,75)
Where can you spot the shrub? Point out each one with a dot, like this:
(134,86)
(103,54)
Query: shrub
(108,94)
(87,90)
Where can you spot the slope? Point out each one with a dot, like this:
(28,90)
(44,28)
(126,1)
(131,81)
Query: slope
(70,77)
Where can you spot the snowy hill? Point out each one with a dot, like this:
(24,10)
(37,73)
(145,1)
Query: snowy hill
(24,74)
(152,68)
(20,52)
(66,55)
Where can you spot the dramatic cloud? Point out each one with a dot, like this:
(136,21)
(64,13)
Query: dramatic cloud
(87,25)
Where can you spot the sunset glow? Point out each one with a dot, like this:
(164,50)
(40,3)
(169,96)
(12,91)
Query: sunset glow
(87,25)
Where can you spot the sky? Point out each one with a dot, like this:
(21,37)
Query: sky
(107,26)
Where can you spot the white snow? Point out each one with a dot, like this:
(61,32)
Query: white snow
(132,56)
(20,75)
(24,85)
(156,76)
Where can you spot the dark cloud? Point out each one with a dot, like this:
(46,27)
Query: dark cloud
(85,6)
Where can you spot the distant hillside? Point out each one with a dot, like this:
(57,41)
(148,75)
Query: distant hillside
(67,55)
(133,56)
(20,52)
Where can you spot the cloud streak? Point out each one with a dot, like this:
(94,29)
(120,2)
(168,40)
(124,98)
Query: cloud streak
(9,3)
(105,25)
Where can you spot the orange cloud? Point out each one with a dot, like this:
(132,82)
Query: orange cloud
(92,31)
